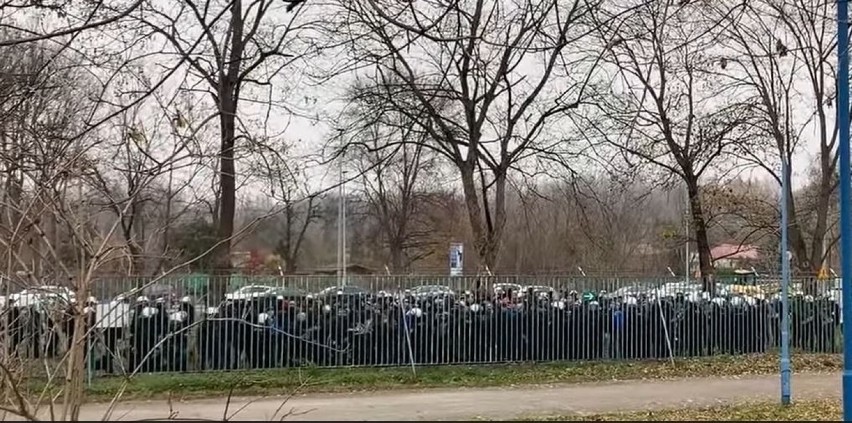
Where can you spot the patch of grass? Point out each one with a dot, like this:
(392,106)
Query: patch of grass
(808,410)
(314,380)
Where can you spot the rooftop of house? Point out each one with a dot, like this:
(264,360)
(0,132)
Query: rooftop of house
(735,252)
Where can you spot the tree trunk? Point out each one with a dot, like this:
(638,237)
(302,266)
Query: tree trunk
(228,88)
(291,242)
(797,240)
(14,197)
(140,261)
(396,256)
(699,225)
(75,370)
(290,266)
(288,254)
(135,262)
(487,231)
(134,238)
(810,285)
(498,223)
(285,245)
(227,192)
(474,213)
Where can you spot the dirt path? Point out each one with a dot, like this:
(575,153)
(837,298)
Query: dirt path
(494,403)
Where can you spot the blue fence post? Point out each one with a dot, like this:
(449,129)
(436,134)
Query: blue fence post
(845,217)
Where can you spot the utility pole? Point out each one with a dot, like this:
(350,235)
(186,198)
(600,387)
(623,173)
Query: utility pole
(343,212)
(341,229)
(686,215)
(785,284)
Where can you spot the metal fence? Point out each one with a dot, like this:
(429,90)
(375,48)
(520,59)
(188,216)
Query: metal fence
(279,322)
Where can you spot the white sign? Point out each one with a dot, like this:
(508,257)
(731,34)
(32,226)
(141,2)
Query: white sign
(456,259)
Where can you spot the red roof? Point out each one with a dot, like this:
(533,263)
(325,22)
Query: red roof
(734,251)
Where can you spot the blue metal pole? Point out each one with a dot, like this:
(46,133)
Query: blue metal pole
(785,285)
(845,210)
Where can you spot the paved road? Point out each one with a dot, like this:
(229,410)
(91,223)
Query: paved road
(494,403)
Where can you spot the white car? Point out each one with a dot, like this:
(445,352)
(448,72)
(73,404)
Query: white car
(431,291)
(248,292)
(631,291)
(31,296)
(671,289)
(347,290)
(537,290)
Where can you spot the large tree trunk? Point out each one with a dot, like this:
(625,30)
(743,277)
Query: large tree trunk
(396,253)
(285,245)
(227,98)
(474,213)
(227,192)
(135,262)
(498,222)
(290,244)
(798,245)
(699,225)
(14,196)
(797,240)
(290,266)
(487,230)
(134,234)
(287,253)
(396,228)
(823,203)
(75,370)
(821,227)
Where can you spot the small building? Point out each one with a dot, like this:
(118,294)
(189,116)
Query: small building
(734,256)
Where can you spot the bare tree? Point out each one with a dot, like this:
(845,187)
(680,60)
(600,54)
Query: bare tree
(664,108)
(393,179)
(595,221)
(394,192)
(781,55)
(742,212)
(51,199)
(238,47)
(482,78)
(63,176)
(143,156)
(60,21)
(285,180)
(610,215)
(62,215)
(39,108)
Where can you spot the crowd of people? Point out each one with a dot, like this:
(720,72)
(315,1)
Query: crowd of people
(169,334)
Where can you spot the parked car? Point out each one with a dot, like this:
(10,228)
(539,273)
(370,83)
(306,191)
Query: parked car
(431,291)
(671,289)
(289,293)
(248,292)
(31,296)
(343,290)
(631,291)
(741,289)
